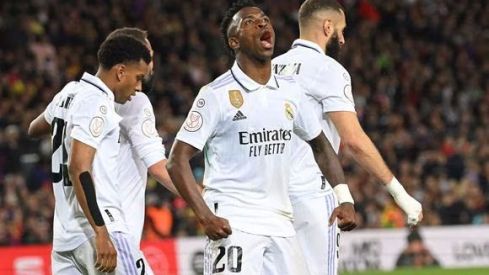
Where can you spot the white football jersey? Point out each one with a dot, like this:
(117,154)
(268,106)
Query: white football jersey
(141,147)
(245,130)
(327,84)
(84,110)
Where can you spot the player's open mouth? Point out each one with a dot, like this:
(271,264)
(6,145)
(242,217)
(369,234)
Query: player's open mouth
(266,40)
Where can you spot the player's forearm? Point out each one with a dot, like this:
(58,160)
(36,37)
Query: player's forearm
(158,172)
(181,174)
(368,157)
(86,197)
(327,160)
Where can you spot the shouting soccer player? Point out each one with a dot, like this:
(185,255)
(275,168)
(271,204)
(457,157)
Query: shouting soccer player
(244,121)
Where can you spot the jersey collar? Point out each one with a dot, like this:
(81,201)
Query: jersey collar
(249,84)
(97,83)
(307,44)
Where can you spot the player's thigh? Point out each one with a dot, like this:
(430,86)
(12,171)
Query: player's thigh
(318,240)
(129,260)
(142,264)
(240,253)
(284,256)
(63,263)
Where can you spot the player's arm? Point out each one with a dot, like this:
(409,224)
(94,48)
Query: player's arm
(181,173)
(330,166)
(79,169)
(39,127)
(159,172)
(138,125)
(308,127)
(368,157)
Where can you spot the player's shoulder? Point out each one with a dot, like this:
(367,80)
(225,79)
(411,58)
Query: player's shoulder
(285,79)
(140,99)
(335,67)
(138,102)
(220,82)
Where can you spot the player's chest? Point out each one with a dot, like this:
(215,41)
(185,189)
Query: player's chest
(260,110)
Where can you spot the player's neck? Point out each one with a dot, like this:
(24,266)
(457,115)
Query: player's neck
(316,38)
(106,79)
(259,71)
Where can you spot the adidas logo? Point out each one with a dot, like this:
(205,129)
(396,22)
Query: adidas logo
(239,116)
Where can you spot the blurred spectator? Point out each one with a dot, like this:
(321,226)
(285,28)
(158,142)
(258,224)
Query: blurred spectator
(416,254)
(420,77)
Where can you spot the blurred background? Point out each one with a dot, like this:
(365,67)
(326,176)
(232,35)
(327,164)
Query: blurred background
(420,76)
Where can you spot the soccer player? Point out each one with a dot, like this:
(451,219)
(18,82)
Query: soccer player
(85,130)
(244,121)
(321,22)
(141,151)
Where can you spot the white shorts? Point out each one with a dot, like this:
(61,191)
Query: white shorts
(81,260)
(251,254)
(318,240)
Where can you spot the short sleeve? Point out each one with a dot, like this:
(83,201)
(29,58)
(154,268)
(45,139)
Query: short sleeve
(202,119)
(50,110)
(306,124)
(139,126)
(92,119)
(332,88)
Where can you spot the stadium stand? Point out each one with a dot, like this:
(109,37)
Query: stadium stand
(420,74)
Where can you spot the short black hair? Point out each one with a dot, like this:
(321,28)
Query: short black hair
(122,49)
(228,18)
(309,7)
(137,33)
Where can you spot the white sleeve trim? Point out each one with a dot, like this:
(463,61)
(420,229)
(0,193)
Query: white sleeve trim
(79,135)
(193,142)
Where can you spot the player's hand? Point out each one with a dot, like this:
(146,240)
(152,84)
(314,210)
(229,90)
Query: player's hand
(345,213)
(216,228)
(106,253)
(412,208)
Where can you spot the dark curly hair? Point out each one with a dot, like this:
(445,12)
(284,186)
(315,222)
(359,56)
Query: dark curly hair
(122,49)
(228,17)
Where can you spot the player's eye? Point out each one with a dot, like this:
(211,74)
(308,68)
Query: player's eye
(248,22)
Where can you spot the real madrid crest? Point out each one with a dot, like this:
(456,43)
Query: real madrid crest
(236,98)
(289,112)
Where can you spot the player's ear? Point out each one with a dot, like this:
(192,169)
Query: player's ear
(120,70)
(328,28)
(233,43)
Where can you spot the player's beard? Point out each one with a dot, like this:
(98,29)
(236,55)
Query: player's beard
(148,84)
(333,47)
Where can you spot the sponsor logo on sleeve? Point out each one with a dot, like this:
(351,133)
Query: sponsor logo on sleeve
(148,128)
(147,112)
(96,126)
(200,102)
(103,109)
(193,122)
(236,98)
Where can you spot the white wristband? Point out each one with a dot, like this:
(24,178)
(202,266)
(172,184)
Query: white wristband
(408,204)
(396,189)
(343,193)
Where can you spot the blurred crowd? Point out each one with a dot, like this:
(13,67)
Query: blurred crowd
(420,74)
